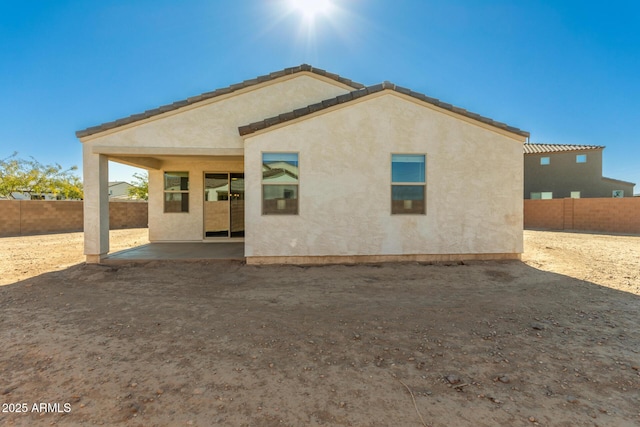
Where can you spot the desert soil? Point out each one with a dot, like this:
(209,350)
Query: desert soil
(553,340)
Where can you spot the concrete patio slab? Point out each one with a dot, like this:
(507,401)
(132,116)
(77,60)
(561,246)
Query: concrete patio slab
(180,251)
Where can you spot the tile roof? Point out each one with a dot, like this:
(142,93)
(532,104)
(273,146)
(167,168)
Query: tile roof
(557,148)
(365,91)
(208,95)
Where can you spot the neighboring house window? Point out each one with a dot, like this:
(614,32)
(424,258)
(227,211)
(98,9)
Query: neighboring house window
(581,158)
(280,184)
(176,192)
(575,194)
(408,179)
(545,160)
(542,195)
(618,193)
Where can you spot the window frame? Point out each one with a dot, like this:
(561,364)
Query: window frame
(264,184)
(181,192)
(396,184)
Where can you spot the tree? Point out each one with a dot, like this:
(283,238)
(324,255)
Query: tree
(32,178)
(140,189)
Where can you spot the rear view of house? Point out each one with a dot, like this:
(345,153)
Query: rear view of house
(306,166)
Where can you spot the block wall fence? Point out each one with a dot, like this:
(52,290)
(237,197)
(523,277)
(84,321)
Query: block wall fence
(606,215)
(27,217)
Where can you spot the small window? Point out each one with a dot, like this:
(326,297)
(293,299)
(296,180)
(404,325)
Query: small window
(545,160)
(536,196)
(280,183)
(408,179)
(575,194)
(546,195)
(618,193)
(176,192)
(581,158)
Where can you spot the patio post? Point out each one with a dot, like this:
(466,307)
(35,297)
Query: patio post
(96,205)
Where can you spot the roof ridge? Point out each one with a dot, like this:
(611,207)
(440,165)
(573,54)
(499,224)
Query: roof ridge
(215,93)
(365,91)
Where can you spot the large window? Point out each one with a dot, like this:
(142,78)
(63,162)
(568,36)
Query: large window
(279,183)
(408,184)
(176,192)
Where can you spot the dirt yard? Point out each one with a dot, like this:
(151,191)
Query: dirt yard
(551,341)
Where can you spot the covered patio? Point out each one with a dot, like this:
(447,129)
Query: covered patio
(182,251)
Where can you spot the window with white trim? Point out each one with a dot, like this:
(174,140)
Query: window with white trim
(176,192)
(280,184)
(408,184)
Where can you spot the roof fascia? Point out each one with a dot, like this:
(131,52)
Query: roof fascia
(381,93)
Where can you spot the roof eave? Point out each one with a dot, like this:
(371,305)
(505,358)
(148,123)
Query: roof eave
(367,91)
(93,130)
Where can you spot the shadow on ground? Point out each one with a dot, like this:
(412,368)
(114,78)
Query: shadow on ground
(196,343)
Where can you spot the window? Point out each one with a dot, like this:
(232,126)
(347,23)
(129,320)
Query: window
(544,195)
(279,183)
(408,177)
(581,158)
(618,193)
(176,192)
(575,194)
(545,160)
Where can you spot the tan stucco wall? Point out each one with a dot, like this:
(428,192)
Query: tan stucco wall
(474,184)
(215,122)
(211,124)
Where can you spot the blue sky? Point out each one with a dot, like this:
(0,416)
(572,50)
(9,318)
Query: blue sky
(566,71)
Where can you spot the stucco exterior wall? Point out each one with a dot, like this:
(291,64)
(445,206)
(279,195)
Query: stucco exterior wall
(215,122)
(474,179)
(211,124)
(563,175)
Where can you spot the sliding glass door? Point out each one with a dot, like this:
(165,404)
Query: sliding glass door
(224,205)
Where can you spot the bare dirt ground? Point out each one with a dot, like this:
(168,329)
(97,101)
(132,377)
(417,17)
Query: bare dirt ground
(552,341)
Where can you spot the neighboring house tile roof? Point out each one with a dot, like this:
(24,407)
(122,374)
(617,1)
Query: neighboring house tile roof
(365,91)
(557,148)
(218,92)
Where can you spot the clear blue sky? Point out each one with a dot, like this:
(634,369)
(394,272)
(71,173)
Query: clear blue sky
(566,71)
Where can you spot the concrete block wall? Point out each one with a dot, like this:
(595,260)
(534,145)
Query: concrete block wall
(607,215)
(27,217)
(127,215)
(547,214)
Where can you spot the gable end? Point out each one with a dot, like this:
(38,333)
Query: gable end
(213,94)
(366,91)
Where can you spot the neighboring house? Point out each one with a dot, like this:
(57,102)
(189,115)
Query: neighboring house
(39,196)
(555,171)
(119,190)
(309,167)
